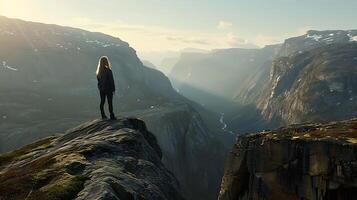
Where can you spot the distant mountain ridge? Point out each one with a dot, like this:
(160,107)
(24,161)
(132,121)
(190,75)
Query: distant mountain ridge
(313,39)
(219,72)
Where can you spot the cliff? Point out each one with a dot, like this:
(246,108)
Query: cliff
(194,154)
(96,160)
(311,79)
(317,85)
(311,161)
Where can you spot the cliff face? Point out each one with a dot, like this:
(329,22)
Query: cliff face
(97,160)
(190,151)
(312,79)
(314,86)
(311,161)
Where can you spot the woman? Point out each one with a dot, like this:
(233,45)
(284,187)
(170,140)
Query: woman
(106,85)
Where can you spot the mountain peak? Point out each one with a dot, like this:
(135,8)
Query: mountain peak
(99,159)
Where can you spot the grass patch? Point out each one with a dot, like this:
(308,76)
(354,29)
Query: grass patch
(11,156)
(40,179)
(16,183)
(67,190)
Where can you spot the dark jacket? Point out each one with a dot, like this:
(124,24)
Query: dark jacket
(106,81)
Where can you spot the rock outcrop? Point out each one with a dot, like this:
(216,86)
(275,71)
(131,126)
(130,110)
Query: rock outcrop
(97,160)
(311,161)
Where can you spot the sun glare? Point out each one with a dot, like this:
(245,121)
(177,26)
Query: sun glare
(17,9)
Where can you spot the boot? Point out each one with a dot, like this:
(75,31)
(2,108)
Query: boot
(104,116)
(112,116)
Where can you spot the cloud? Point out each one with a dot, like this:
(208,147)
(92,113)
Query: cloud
(188,40)
(87,23)
(234,40)
(224,24)
(303,30)
(147,38)
(238,42)
(263,40)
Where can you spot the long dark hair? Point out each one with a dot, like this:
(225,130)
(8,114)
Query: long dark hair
(103,63)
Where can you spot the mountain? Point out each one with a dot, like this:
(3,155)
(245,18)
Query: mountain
(168,63)
(217,73)
(309,78)
(308,161)
(48,84)
(165,60)
(313,39)
(312,79)
(96,160)
(148,64)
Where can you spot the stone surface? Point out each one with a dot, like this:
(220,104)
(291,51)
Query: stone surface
(97,160)
(311,161)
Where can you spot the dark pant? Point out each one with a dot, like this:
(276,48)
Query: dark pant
(109,96)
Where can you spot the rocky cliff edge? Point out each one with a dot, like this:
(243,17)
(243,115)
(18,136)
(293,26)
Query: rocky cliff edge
(96,160)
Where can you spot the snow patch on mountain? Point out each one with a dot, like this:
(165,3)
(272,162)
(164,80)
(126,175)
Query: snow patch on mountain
(6,32)
(353,38)
(314,37)
(6,66)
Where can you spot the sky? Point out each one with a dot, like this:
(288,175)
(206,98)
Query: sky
(172,25)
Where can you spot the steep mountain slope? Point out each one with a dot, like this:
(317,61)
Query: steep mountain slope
(315,82)
(311,161)
(96,160)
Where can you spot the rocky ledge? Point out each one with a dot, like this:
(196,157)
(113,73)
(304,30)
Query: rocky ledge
(311,161)
(96,160)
